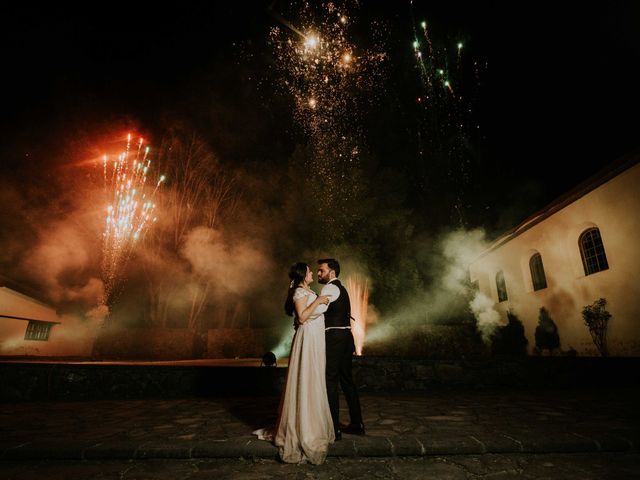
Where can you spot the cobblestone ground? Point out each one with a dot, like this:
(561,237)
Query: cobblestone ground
(617,466)
(482,415)
(508,434)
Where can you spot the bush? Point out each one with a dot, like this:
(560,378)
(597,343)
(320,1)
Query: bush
(510,339)
(428,341)
(547,337)
(597,318)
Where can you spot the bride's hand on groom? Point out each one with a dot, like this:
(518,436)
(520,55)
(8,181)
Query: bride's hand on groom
(324,299)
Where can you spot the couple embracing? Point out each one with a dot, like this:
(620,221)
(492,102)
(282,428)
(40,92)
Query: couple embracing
(320,362)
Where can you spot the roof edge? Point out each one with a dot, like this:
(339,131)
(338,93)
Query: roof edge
(602,176)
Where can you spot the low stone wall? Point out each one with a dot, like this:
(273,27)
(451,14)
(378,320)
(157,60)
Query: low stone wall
(239,342)
(144,343)
(41,381)
(423,374)
(438,341)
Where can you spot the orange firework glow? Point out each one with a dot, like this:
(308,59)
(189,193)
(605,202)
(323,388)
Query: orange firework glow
(359,295)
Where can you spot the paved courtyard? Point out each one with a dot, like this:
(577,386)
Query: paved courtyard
(398,425)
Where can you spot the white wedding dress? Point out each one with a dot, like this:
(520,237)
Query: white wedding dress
(304,429)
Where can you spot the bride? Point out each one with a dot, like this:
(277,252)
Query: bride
(304,428)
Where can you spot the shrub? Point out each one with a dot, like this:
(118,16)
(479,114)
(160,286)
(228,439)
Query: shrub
(597,318)
(510,339)
(547,337)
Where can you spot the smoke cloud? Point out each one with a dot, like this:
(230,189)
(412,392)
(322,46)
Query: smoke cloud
(230,268)
(488,319)
(62,264)
(444,296)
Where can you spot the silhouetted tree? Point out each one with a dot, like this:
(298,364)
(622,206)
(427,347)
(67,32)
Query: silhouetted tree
(597,318)
(197,192)
(510,339)
(547,337)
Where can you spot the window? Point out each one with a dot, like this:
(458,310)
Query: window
(501,286)
(537,272)
(592,251)
(38,330)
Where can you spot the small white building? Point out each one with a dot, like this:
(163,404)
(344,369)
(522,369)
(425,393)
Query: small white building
(29,327)
(582,247)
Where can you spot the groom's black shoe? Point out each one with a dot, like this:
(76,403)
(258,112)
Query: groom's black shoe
(338,435)
(354,429)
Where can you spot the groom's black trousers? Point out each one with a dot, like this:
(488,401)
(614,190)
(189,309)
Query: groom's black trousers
(340,348)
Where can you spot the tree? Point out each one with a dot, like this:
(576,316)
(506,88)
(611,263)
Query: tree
(547,337)
(198,190)
(510,339)
(597,318)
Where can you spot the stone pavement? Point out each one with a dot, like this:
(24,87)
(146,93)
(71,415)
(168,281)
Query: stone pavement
(440,423)
(571,466)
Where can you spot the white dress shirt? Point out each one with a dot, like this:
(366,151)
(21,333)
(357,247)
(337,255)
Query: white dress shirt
(333,292)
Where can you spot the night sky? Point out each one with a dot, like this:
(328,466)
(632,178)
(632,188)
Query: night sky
(559,88)
(546,95)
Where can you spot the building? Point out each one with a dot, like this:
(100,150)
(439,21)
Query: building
(582,247)
(29,327)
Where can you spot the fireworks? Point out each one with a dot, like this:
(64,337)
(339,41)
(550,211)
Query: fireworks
(359,295)
(131,210)
(318,61)
(329,77)
(444,100)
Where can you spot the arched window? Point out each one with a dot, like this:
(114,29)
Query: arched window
(592,251)
(537,272)
(501,286)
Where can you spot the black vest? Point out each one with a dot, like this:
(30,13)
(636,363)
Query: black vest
(339,311)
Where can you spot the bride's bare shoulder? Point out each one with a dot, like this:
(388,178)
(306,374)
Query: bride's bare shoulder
(300,292)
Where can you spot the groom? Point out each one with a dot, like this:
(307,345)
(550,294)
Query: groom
(340,348)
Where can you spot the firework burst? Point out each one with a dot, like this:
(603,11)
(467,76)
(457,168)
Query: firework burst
(445,112)
(131,208)
(328,76)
